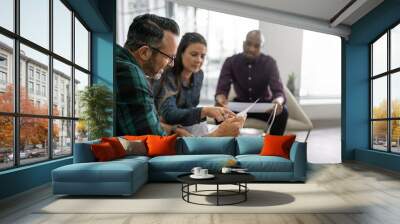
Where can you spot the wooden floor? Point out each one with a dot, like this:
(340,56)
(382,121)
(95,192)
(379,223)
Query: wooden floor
(377,188)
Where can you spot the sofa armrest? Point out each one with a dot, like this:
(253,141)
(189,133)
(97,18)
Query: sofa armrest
(298,155)
(83,152)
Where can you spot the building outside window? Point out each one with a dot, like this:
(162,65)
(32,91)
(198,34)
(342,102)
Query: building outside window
(385,91)
(55,129)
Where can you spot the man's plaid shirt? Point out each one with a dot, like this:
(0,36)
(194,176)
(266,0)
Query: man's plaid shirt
(135,108)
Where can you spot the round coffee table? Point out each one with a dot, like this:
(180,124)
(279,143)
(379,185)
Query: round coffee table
(238,179)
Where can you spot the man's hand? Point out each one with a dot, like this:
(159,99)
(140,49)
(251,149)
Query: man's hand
(230,127)
(279,103)
(218,113)
(221,100)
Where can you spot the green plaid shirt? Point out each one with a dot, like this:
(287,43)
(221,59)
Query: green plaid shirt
(135,108)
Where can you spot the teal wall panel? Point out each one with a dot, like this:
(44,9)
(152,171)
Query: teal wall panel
(355,95)
(24,178)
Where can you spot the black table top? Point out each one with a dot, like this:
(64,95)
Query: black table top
(220,178)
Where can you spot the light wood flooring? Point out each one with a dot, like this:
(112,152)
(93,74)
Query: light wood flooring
(378,189)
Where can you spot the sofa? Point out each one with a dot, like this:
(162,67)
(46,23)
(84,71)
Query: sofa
(125,176)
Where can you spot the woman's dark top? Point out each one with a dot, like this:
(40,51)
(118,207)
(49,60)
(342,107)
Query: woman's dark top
(177,103)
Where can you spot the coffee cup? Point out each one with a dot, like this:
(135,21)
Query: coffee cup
(196,171)
(203,172)
(226,170)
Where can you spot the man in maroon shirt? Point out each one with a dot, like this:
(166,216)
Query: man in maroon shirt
(254,75)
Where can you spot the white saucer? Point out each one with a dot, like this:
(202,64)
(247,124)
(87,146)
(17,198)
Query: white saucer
(208,176)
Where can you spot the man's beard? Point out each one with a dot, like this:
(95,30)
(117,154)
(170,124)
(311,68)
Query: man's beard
(249,58)
(157,76)
(149,70)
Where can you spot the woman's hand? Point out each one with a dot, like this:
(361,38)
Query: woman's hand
(230,127)
(218,113)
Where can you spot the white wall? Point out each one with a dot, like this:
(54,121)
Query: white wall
(284,44)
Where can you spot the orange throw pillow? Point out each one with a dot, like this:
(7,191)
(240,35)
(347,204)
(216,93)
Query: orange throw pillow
(116,145)
(275,145)
(161,145)
(136,137)
(103,152)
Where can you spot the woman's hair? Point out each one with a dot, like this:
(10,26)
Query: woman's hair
(187,39)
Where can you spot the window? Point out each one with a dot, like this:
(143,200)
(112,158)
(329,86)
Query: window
(38,89)
(34,21)
(7,14)
(81,45)
(3,61)
(3,78)
(61,74)
(3,72)
(30,87)
(43,90)
(45,131)
(30,72)
(223,39)
(385,92)
(320,66)
(37,74)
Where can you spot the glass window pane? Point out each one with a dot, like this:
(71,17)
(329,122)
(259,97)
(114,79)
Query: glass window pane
(379,135)
(81,81)
(34,72)
(62,141)
(395,138)
(33,139)
(81,131)
(379,55)
(62,89)
(379,98)
(395,94)
(81,45)
(6,74)
(7,14)
(35,21)
(395,47)
(62,29)
(6,142)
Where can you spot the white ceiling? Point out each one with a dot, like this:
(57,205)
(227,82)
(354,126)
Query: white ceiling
(320,9)
(313,15)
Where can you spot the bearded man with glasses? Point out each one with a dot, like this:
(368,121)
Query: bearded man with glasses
(150,47)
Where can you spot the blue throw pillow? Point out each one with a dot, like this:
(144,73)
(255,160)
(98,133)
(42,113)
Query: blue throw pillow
(206,145)
(249,145)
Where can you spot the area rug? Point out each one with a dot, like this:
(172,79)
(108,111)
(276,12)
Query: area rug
(167,198)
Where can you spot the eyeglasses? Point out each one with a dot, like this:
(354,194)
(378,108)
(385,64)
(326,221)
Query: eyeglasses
(171,59)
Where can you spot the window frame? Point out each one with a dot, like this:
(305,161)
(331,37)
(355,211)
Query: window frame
(16,114)
(388,74)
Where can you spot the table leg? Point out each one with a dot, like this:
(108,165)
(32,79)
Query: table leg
(196,188)
(217,194)
(245,193)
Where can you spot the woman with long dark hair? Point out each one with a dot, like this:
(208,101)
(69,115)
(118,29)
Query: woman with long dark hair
(177,93)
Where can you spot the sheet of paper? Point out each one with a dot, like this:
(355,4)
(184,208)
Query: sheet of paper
(258,108)
(200,129)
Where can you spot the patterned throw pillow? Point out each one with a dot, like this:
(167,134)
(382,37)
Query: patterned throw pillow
(134,147)
(116,145)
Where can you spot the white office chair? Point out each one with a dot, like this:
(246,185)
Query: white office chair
(297,121)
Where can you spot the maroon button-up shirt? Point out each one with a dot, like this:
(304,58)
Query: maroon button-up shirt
(251,79)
